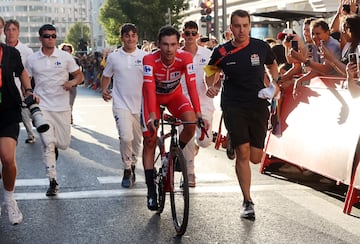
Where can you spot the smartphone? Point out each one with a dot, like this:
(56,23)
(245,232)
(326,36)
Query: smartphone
(352,58)
(295,45)
(346,8)
(309,48)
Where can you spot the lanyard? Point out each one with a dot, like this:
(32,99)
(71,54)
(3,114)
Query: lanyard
(1,55)
(223,52)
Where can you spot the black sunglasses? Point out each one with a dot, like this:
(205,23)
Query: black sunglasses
(193,33)
(47,36)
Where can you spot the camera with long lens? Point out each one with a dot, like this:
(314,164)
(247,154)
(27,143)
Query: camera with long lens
(37,117)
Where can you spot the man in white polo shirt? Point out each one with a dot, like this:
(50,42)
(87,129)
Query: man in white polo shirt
(126,67)
(50,68)
(201,56)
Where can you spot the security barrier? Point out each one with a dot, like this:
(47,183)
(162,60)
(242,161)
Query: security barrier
(319,130)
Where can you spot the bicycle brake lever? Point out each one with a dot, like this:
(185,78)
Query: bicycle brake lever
(202,126)
(156,123)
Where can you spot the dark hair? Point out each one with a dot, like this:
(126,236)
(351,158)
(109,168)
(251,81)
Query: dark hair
(320,23)
(353,22)
(307,21)
(191,25)
(239,13)
(126,28)
(168,31)
(12,21)
(46,27)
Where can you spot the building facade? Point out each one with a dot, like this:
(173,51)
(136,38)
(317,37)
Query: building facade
(262,27)
(31,14)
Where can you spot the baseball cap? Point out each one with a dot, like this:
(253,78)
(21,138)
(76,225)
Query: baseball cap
(284,33)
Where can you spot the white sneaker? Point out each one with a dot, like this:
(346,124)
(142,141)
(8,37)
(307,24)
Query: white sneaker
(15,215)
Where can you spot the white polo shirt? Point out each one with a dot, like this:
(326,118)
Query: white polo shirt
(50,74)
(200,59)
(24,51)
(127,71)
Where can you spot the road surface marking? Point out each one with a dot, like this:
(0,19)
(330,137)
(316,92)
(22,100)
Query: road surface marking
(200,178)
(140,190)
(32,182)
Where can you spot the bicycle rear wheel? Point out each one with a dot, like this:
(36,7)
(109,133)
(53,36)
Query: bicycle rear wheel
(179,194)
(159,178)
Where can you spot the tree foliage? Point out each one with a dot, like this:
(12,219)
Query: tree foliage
(76,32)
(147,15)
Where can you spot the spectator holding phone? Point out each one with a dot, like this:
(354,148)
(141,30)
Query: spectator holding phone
(353,82)
(289,38)
(345,7)
(320,32)
(350,34)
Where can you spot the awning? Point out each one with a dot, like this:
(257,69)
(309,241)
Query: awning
(290,15)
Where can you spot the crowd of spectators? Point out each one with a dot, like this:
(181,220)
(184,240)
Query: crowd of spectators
(92,65)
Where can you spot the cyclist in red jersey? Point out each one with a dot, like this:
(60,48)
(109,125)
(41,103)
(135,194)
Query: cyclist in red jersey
(162,72)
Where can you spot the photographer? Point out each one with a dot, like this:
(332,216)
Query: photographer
(50,68)
(10,116)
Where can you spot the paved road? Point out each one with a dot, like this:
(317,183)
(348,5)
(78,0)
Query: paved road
(93,208)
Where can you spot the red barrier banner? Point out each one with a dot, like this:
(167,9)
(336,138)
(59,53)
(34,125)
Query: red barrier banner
(320,129)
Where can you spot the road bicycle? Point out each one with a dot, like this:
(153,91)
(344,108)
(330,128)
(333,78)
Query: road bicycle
(170,171)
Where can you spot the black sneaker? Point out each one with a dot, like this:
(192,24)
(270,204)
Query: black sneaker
(248,210)
(229,148)
(56,153)
(53,188)
(152,201)
(133,173)
(126,180)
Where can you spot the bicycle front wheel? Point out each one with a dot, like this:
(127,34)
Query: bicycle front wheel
(179,194)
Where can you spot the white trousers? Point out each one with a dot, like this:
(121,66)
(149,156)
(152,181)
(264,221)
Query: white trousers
(192,147)
(58,135)
(130,135)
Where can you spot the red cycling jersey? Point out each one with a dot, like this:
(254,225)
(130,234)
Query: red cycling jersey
(162,84)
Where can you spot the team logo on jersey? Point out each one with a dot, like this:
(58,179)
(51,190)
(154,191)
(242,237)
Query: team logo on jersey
(174,75)
(255,59)
(57,64)
(190,69)
(138,61)
(203,61)
(148,70)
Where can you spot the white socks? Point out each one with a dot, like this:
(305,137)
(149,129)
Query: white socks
(8,195)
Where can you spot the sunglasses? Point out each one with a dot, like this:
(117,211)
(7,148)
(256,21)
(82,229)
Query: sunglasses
(48,36)
(188,33)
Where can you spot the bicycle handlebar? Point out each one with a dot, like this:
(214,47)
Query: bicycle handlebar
(171,120)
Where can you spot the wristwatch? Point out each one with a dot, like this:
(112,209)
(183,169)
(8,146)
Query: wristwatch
(307,62)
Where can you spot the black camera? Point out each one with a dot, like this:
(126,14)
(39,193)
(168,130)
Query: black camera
(289,38)
(37,117)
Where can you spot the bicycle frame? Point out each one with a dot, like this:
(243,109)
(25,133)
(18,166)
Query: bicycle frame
(173,122)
